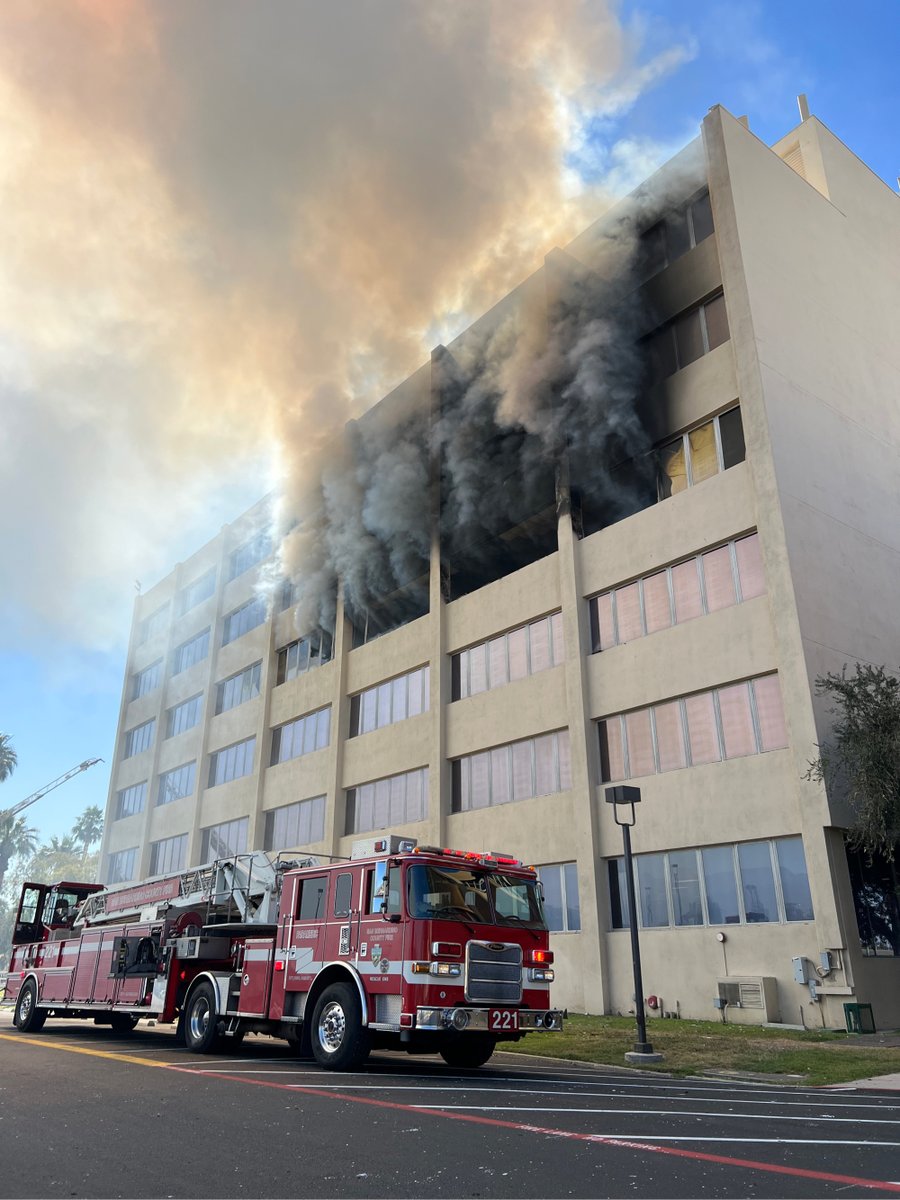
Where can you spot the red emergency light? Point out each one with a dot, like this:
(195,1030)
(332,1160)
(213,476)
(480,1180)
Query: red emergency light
(540,958)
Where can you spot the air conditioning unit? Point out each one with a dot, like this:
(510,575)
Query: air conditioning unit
(749,999)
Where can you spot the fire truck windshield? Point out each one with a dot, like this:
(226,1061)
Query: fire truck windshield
(481,897)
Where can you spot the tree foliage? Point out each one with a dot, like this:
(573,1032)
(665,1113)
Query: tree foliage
(8,757)
(861,759)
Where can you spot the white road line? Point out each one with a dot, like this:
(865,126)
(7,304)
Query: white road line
(664,1137)
(655,1112)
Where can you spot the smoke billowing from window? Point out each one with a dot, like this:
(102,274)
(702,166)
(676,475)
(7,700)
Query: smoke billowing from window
(231,227)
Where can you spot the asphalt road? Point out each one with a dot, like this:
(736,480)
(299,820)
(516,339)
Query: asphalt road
(85,1113)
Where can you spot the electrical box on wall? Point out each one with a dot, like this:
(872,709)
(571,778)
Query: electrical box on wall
(801,974)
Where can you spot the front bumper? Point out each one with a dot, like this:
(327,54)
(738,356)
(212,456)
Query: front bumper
(463,1018)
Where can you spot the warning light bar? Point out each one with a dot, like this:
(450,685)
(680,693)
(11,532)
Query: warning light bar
(494,858)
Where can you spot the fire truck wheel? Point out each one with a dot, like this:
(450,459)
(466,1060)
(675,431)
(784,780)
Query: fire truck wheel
(201,1033)
(468,1050)
(340,1041)
(28,1018)
(123,1023)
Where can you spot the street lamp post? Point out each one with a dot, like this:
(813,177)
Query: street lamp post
(626,797)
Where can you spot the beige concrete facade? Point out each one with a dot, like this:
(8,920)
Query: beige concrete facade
(805,250)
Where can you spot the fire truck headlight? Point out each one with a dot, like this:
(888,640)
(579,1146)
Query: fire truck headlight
(439,968)
(542,974)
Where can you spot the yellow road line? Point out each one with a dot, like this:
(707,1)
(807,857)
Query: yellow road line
(129,1058)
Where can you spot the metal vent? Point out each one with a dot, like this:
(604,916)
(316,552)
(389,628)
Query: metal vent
(494,972)
(794,159)
(751,995)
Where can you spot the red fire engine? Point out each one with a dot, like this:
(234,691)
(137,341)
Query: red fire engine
(401,946)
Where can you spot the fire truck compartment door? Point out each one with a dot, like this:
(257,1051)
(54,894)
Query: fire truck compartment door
(256,977)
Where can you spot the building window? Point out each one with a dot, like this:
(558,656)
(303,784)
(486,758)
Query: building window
(195,593)
(145,681)
(295,824)
(533,767)
(397,800)
(131,800)
(177,783)
(727,722)
(669,239)
(184,716)
(688,337)
(876,897)
(287,594)
(703,584)
(239,688)
(562,908)
(140,738)
(121,866)
(511,656)
(243,619)
(168,854)
(225,840)
(699,454)
(153,625)
(189,653)
(302,736)
(746,883)
(233,762)
(389,702)
(249,555)
(296,658)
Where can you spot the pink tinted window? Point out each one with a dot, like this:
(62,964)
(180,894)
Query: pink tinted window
(523,784)
(565,760)
(539,633)
(656,602)
(628,613)
(770,713)
(559,641)
(719,579)
(480,793)
(500,780)
(382,803)
(703,736)
(497,662)
(477,670)
(737,722)
(640,744)
(612,757)
(669,736)
(605,627)
(750,567)
(686,587)
(518,654)
(545,774)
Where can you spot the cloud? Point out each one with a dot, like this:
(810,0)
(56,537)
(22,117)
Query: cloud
(230,227)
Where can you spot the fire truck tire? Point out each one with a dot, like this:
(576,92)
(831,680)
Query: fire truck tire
(28,1018)
(123,1023)
(340,1041)
(201,1023)
(468,1050)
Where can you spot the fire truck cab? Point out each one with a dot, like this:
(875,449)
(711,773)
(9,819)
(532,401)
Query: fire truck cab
(409,947)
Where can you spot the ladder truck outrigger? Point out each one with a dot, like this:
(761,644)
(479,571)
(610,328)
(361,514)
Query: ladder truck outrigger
(408,947)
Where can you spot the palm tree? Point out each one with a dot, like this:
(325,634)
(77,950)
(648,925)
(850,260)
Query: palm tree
(8,757)
(88,829)
(16,838)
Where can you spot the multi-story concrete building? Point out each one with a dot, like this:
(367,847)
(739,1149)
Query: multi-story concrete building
(668,636)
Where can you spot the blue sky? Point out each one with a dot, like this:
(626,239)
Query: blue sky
(60,683)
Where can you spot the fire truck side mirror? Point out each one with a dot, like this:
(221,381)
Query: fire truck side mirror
(386,916)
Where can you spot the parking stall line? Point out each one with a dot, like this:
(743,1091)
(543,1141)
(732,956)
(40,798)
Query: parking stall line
(652,1112)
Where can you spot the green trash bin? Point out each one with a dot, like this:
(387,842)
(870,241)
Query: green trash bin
(858,1018)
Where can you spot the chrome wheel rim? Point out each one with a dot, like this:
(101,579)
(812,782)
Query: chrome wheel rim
(332,1027)
(198,1022)
(25,1005)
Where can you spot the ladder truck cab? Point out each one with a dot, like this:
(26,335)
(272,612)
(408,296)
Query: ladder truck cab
(402,946)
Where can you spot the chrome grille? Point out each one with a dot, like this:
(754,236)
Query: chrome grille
(494,972)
